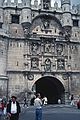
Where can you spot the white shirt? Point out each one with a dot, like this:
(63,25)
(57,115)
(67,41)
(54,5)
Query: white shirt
(45,100)
(37,103)
(13,108)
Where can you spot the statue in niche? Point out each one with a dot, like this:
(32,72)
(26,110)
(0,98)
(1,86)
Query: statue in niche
(60,64)
(46,4)
(34,63)
(26,31)
(34,48)
(59,49)
(47,47)
(46,24)
(68,33)
(47,64)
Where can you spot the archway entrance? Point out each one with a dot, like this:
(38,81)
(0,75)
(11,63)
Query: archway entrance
(50,87)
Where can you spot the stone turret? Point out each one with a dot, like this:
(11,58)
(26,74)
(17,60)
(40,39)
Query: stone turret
(66,21)
(1,2)
(66,8)
(26,15)
(3,44)
(26,11)
(1,13)
(78,8)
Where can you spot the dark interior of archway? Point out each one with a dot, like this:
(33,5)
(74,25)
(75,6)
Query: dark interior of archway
(51,88)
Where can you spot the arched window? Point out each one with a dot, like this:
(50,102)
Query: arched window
(5,1)
(12,1)
(19,1)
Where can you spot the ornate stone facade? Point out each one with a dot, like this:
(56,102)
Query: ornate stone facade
(38,41)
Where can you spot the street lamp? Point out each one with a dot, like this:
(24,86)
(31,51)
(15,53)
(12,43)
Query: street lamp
(7,88)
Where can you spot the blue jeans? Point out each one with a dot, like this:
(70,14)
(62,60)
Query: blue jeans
(38,114)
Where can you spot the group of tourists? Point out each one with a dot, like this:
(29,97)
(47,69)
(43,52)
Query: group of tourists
(13,108)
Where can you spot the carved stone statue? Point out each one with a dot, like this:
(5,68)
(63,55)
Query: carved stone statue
(60,64)
(47,47)
(47,64)
(59,49)
(46,24)
(34,63)
(34,48)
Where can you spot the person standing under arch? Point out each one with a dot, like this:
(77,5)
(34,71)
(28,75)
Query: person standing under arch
(38,107)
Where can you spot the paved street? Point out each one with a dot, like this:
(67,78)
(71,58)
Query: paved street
(52,112)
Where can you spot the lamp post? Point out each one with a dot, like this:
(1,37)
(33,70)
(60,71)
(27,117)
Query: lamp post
(69,85)
(7,88)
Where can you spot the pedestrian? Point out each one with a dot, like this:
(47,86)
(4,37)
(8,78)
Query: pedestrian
(45,100)
(72,99)
(1,108)
(59,101)
(32,100)
(38,106)
(25,102)
(13,109)
(78,104)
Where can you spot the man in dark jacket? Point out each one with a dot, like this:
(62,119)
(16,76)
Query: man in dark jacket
(78,104)
(13,109)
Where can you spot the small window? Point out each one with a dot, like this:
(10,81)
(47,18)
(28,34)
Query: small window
(12,1)
(17,63)
(67,20)
(17,44)
(55,30)
(10,43)
(75,35)
(33,15)
(15,19)
(0,25)
(75,23)
(64,8)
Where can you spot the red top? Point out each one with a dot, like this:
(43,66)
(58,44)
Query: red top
(2,106)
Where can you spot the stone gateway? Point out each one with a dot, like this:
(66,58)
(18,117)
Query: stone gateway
(39,49)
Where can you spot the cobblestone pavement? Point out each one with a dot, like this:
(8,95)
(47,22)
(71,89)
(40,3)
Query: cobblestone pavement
(52,112)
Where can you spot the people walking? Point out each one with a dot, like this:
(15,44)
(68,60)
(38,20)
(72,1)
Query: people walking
(38,106)
(25,102)
(13,109)
(1,108)
(72,100)
(45,100)
(59,101)
(78,104)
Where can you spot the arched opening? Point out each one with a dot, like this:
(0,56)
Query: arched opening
(50,87)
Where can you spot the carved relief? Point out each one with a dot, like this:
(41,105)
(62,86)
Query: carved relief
(68,32)
(46,24)
(60,64)
(30,76)
(34,63)
(34,48)
(47,47)
(47,64)
(59,49)
(46,4)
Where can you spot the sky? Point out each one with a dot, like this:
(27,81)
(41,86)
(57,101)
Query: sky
(52,2)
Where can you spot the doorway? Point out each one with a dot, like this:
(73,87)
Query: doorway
(52,88)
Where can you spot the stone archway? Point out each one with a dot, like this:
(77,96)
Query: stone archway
(52,88)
